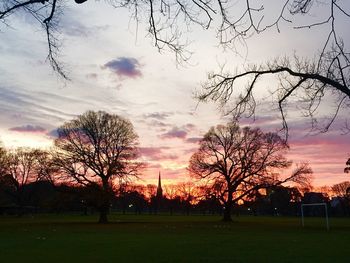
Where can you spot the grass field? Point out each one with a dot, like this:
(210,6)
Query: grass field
(132,238)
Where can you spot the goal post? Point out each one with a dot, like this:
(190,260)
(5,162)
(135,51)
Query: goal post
(314,204)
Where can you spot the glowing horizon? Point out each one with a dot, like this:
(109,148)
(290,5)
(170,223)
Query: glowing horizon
(173,166)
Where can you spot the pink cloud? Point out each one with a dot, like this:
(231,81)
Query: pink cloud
(28,129)
(261,121)
(175,132)
(327,154)
(157,153)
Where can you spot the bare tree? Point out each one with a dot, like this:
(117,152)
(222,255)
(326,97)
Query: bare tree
(309,82)
(47,170)
(347,168)
(187,193)
(96,150)
(240,161)
(151,190)
(3,161)
(22,169)
(172,195)
(341,189)
(171,191)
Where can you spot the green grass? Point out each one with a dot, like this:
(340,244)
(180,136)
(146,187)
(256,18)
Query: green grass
(146,238)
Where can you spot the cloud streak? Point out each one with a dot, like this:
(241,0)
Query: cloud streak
(194,140)
(28,129)
(158,115)
(27,106)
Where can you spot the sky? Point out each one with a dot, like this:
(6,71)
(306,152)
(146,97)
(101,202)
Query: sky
(114,66)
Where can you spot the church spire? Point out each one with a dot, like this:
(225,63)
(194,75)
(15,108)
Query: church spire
(159,188)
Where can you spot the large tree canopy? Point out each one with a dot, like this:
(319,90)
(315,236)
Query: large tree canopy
(239,161)
(94,150)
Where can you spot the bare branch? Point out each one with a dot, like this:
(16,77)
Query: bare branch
(241,161)
(302,77)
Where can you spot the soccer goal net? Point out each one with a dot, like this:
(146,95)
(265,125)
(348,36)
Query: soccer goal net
(321,205)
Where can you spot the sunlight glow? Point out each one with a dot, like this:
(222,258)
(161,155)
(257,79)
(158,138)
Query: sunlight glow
(173,165)
(14,139)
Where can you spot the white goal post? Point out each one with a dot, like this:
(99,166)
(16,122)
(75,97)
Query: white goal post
(314,204)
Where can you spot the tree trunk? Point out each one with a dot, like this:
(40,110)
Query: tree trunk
(103,214)
(227,215)
(188,209)
(106,202)
(228,207)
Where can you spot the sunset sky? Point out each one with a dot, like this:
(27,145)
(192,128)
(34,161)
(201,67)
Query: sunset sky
(114,67)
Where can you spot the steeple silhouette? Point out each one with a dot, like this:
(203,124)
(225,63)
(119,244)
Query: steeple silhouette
(159,189)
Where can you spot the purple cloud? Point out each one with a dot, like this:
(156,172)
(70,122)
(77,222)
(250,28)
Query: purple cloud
(156,153)
(124,67)
(158,115)
(175,132)
(158,124)
(190,151)
(194,140)
(189,126)
(28,129)
(151,151)
(53,134)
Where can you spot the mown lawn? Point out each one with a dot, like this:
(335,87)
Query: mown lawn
(133,238)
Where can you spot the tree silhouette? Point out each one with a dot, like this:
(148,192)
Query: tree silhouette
(341,189)
(347,168)
(95,150)
(240,161)
(22,169)
(3,160)
(187,193)
(310,82)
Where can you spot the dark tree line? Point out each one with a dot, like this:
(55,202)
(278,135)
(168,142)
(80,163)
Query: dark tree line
(43,197)
(94,161)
